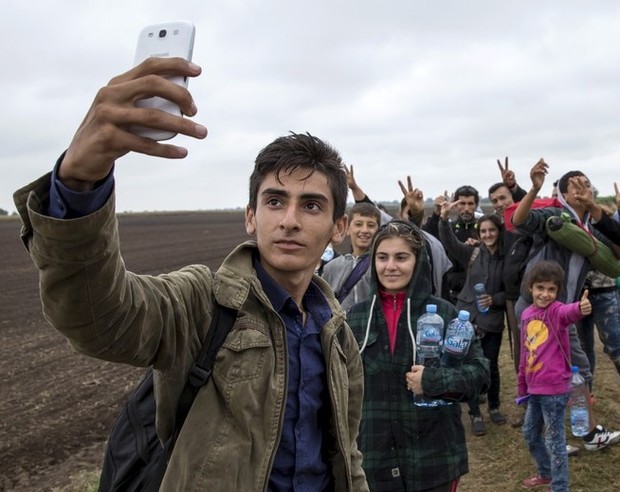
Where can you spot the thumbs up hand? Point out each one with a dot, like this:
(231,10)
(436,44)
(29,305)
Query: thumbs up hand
(584,304)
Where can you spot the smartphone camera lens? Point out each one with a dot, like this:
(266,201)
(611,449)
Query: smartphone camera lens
(162,33)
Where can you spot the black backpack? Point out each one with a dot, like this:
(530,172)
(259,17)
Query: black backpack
(134,459)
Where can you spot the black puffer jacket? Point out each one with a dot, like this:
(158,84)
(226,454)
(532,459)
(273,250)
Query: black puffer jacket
(484,267)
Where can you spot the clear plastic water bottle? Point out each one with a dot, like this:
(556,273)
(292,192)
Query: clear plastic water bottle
(480,291)
(579,413)
(429,340)
(459,335)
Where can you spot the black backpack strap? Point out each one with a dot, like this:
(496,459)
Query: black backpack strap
(222,321)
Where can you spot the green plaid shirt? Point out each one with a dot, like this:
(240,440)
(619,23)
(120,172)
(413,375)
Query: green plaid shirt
(406,447)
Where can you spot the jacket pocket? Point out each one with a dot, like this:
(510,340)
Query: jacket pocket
(244,355)
(371,356)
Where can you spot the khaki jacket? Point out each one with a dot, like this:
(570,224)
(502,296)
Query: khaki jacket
(231,434)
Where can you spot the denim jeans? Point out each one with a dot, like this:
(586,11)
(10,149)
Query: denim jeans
(544,432)
(606,316)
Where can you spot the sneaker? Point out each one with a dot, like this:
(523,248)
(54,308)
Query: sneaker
(601,438)
(571,450)
(537,481)
(477,425)
(496,417)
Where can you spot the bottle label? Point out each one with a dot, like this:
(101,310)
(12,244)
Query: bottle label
(580,421)
(456,345)
(429,335)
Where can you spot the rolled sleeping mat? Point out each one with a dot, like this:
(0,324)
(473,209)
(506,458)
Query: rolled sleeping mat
(568,234)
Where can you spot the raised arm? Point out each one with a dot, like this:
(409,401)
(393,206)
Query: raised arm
(432,224)
(457,250)
(537,175)
(358,194)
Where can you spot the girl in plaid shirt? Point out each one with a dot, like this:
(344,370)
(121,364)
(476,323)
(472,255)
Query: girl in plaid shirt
(406,447)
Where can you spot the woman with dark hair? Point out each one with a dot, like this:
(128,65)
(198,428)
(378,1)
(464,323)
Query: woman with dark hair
(484,265)
(408,447)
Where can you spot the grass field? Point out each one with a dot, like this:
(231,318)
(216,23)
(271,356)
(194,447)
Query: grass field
(499,461)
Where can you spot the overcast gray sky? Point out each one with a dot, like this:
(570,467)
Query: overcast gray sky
(433,89)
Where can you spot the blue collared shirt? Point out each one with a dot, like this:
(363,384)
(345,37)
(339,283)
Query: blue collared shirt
(301,463)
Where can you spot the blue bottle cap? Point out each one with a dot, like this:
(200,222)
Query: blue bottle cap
(464,315)
(431,308)
(328,254)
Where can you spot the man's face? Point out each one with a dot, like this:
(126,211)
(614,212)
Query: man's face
(361,231)
(466,207)
(501,199)
(293,224)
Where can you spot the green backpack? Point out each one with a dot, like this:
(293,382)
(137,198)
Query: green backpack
(568,234)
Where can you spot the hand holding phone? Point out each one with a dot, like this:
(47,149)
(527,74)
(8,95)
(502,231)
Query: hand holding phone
(166,40)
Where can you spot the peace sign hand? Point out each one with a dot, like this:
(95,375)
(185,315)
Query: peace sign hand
(413,197)
(508,176)
(446,207)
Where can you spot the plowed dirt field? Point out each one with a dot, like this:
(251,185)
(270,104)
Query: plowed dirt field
(57,406)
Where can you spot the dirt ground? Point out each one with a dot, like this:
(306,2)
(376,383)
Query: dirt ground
(56,406)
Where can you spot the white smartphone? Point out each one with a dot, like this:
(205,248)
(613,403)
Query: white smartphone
(166,40)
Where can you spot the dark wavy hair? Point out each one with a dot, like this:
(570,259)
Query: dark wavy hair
(492,218)
(301,151)
(467,190)
(365,209)
(546,271)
